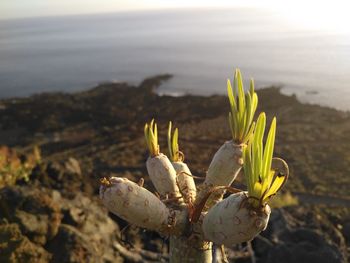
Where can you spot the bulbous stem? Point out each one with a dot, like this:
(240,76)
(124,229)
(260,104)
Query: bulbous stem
(222,171)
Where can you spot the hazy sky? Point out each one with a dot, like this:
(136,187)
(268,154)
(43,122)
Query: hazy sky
(331,14)
(28,8)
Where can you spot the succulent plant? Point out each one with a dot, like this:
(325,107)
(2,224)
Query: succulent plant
(159,167)
(249,211)
(196,217)
(262,180)
(184,176)
(227,161)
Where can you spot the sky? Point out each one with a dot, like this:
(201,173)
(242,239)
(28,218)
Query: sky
(324,14)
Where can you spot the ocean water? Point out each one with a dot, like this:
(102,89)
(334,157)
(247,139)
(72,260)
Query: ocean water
(200,48)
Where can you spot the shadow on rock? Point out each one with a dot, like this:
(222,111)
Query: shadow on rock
(290,238)
(39,225)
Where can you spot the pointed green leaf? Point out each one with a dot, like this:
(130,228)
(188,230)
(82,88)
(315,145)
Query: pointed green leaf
(231,124)
(155,134)
(268,152)
(241,97)
(231,97)
(176,145)
(254,103)
(248,118)
(247,167)
(251,90)
(169,142)
(275,187)
(260,127)
(249,135)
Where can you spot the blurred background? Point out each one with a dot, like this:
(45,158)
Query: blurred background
(303,46)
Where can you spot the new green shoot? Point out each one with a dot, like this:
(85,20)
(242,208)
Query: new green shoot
(243,107)
(173,145)
(151,135)
(262,181)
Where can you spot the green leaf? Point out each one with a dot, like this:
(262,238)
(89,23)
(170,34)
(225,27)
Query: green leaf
(176,145)
(249,135)
(243,106)
(151,136)
(169,142)
(155,134)
(231,97)
(268,152)
(260,128)
(254,103)
(251,89)
(247,167)
(235,122)
(231,124)
(241,97)
(275,187)
(261,180)
(248,118)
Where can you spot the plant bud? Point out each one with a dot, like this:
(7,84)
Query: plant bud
(185,181)
(163,175)
(134,204)
(233,220)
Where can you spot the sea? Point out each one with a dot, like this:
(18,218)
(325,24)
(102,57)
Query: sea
(200,47)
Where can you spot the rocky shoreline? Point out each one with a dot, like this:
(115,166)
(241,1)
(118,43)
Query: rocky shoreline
(84,136)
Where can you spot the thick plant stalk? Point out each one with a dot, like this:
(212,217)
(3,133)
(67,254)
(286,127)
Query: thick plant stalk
(185,182)
(134,204)
(185,250)
(163,176)
(234,220)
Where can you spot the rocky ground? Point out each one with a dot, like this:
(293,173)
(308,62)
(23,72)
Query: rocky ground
(57,217)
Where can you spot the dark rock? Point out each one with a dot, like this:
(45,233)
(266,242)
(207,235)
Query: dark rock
(86,234)
(15,247)
(37,215)
(346,231)
(70,245)
(289,239)
(65,176)
(92,225)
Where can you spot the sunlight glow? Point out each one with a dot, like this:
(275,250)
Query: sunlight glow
(317,15)
(309,14)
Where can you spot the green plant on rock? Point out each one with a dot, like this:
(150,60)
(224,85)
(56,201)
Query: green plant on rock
(196,216)
(13,168)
